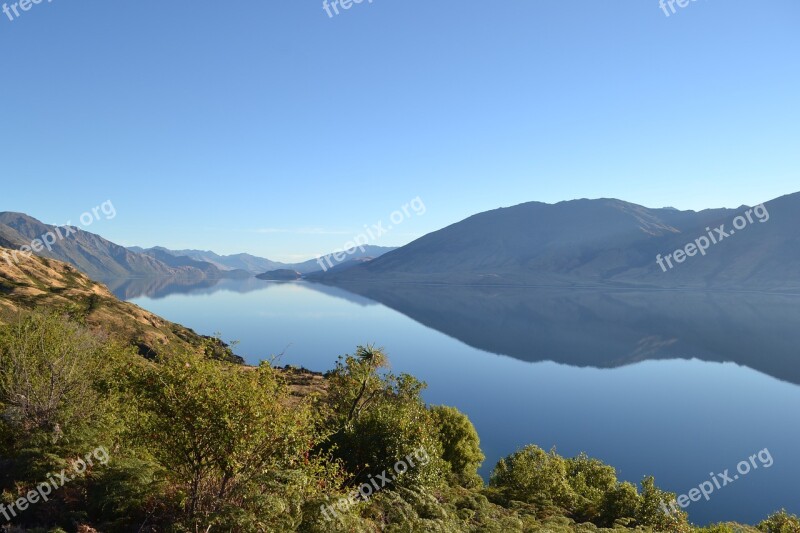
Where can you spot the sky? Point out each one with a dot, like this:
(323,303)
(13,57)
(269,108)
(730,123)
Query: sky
(270,127)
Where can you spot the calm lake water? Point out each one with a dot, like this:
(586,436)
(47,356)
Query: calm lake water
(673,384)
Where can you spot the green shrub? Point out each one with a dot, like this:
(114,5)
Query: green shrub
(591,480)
(460,445)
(532,475)
(780,522)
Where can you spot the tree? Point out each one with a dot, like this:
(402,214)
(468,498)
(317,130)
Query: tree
(780,522)
(230,440)
(532,475)
(378,419)
(655,511)
(591,480)
(619,504)
(461,446)
(50,371)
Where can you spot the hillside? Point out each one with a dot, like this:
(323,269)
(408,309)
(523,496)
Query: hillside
(93,255)
(593,242)
(42,283)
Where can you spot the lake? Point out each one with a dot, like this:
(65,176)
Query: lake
(680,385)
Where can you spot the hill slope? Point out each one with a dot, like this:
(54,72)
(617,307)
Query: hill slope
(97,257)
(42,283)
(590,242)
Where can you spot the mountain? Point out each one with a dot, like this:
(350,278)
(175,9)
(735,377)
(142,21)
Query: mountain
(283,274)
(247,262)
(258,265)
(103,260)
(598,242)
(369,252)
(34,283)
(97,257)
(210,270)
(90,253)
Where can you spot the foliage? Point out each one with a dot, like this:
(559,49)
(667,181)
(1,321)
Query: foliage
(651,510)
(229,442)
(377,420)
(461,446)
(780,522)
(532,475)
(591,480)
(198,443)
(50,368)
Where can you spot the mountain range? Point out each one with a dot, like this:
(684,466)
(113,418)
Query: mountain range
(602,242)
(259,265)
(103,260)
(95,256)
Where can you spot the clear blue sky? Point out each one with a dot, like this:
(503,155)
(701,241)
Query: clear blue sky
(265,126)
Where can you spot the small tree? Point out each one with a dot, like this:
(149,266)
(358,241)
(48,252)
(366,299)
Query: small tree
(461,446)
(591,480)
(780,522)
(375,420)
(228,437)
(50,369)
(532,475)
(655,511)
(619,504)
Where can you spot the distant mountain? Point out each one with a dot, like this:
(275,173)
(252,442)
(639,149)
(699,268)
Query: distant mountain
(593,242)
(250,263)
(369,252)
(95,256)
(259,265)
(211,270)
(282,274)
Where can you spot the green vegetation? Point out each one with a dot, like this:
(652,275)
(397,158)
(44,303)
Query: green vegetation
(202,444)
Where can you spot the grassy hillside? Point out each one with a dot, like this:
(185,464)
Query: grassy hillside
(40,283)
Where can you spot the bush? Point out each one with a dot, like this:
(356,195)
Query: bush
(651,510)
(461,446)
(532,475)
(620,505)
(230,443)
(377,420)
(591,480)
(780,522)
